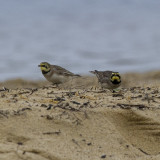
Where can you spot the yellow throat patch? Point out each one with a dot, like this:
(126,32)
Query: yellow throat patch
(115,77)
(45,67)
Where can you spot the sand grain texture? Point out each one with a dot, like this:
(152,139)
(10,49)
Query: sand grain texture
(80,122)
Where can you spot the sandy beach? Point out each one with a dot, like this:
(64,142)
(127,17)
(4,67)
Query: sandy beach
(79,121)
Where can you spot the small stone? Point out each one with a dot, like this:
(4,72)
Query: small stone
(20,143)
(127,146)
(44,105)
(103,156)
(89,144)
(49,107)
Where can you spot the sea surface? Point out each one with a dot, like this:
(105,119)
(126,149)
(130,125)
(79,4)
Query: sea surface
(79,35)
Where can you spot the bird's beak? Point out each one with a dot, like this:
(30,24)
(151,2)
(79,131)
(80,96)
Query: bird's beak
(39,65)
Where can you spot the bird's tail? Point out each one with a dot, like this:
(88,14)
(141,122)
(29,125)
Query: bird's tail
(93,72)
(77,75)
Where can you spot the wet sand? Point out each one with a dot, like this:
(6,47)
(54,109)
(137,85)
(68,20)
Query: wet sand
(79,121)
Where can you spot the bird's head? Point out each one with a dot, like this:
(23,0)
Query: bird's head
(45,67)
(115,78)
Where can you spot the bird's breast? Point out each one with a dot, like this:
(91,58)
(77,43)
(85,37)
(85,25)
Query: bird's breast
(55,78)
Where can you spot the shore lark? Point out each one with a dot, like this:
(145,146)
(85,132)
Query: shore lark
(108,79)
(56,74)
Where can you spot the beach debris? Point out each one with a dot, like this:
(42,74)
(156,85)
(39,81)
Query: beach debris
(4,113)
(44,105)
(75,142)
(77,121)
(20,143)
(143,151)
(21,111)
(87,97)
(89,144)
(24,92)
(148,98)
(59,99)
(66,106)
(55,132)
(52,92)
(70,94)
(103,156)
(53,101)
(127,146)
(74,102)
(33,90)
(48,117)
(148,88)
(155,91)
(85,103)
(27,108)
(2,95)
(129,106)
(133,89)
(4,89)
(49,106)
(30,92)
(117,95)
(139,96)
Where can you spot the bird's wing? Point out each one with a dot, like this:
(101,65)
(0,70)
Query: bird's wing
(63,71)
(101,74)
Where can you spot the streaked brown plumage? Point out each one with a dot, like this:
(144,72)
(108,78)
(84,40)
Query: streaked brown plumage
(56,74)
(108,79)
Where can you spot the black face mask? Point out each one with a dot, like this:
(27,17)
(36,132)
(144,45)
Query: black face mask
(116,81)
(45,72)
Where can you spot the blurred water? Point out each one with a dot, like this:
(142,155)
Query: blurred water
(80,35)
